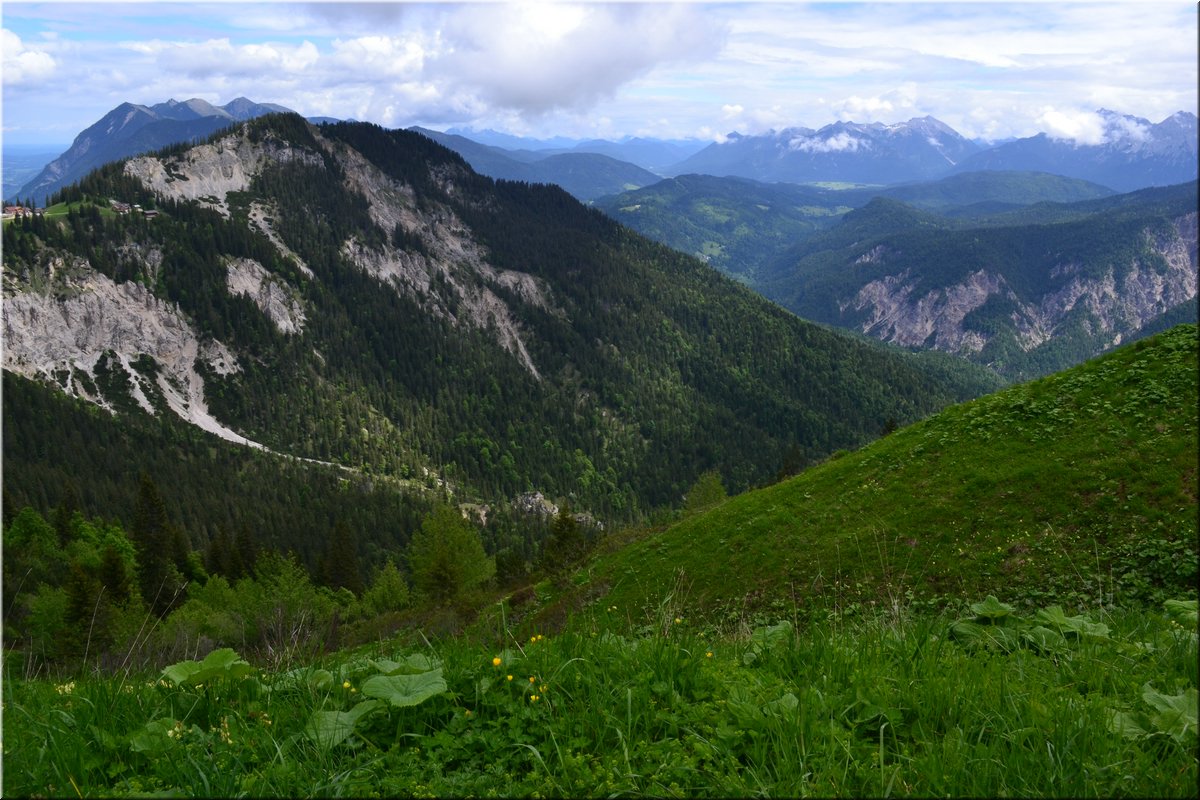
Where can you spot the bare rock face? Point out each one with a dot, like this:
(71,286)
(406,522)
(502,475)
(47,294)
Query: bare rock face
(208,172)
(1121,302)
(272,294)
(59,324)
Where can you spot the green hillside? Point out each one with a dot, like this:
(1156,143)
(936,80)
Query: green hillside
(1077,487)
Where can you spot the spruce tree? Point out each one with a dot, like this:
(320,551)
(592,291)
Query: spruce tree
(340,563)
(446,556)
(154,539)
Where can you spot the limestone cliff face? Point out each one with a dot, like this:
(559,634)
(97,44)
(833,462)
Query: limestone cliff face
(63,318)
(208,172)
(452,260)
(279,301)
(1119,302)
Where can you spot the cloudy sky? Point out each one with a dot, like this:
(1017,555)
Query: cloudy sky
(608,69)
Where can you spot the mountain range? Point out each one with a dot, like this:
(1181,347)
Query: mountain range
(360,297)
(1026,292)
(130,129)
(586,175)
(1132,153)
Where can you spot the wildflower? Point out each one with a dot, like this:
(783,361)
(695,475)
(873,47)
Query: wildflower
(708,654)
(496,661)
(353,690)
(225,737)
(65,688)
(468,712)
(543,689)
(346,685)
(533,698)
(532,679)
(509,677)
(678,620)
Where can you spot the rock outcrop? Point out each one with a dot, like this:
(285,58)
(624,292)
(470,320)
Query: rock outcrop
(1121,301)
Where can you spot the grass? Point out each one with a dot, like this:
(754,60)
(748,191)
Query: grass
(885,705)
(1079,488)
(806,639)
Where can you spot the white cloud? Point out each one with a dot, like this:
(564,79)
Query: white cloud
(1080,127)
(535,58)
(838,143)
(23,65)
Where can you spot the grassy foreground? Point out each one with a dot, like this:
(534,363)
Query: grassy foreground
(985,702)
(1077,488)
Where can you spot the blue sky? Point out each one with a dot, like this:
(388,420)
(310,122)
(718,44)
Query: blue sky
(608,69)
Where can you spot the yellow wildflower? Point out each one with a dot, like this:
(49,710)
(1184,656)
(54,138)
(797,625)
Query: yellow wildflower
(509,677)
(496,661)
(346,685)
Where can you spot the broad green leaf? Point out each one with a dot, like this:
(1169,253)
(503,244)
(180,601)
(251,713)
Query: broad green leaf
(991,609)
(1129,725)
(304,678)
(328,729)
(1185,612)
(152,739)
(222,663)
(1174,714)
(1044,639)
(1055,617)
(966,631)
(413,664)
(405,690)
(783,706)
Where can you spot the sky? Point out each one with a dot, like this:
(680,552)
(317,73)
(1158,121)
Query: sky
(609,70)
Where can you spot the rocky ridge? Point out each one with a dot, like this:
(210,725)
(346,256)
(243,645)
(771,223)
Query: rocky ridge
(208,173)
(1121,303)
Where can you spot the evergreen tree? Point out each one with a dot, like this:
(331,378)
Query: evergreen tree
(388,590)
(114,577)
(706,492)
(154,539)
(66,508)
(340,567)
(565,544)
(446,556)
(88,615)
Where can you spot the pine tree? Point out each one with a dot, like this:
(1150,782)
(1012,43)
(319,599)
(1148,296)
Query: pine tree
(153,537)
(113,575)
(340,563)
(446,556)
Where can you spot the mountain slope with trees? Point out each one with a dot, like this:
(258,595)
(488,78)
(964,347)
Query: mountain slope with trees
(1080,487)
(360,296)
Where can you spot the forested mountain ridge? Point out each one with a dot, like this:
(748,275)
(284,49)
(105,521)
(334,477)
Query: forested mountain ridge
(1027,293)
(131,128)
(741,226)
(1077,487)
(356,295)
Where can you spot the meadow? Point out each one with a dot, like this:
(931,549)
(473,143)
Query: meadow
(981,701)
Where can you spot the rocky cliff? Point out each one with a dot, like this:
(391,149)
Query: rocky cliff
(1118,302)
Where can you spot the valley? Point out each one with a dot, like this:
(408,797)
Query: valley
(334,466)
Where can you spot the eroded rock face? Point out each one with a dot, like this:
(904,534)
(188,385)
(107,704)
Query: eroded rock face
(60,330)
(1120,304)
(208,172)
(269,292)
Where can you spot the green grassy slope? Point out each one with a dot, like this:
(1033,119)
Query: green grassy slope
(1077,487)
